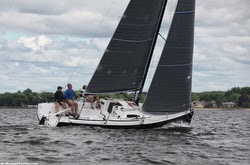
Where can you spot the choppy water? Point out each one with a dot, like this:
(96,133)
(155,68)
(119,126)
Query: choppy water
(214,137)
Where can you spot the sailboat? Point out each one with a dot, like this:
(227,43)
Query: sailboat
(124,68)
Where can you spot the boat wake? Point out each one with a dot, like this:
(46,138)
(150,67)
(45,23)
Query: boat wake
(180,125)
(177,126)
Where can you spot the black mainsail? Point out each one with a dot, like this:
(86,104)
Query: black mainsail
(170,90)
(122,67)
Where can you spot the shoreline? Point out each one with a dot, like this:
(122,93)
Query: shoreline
(220,109)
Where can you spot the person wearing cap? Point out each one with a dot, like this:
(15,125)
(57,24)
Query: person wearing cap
(59,99)
(70,98)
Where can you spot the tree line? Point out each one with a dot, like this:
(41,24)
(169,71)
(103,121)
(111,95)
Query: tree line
(238,95)
(28,97)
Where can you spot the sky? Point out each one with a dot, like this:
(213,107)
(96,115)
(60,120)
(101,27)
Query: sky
(46,43)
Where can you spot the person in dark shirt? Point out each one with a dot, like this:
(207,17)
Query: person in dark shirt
(59,98)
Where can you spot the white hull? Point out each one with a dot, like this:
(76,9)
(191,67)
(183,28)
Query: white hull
(112,113)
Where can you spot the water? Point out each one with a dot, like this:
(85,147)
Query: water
(214,137)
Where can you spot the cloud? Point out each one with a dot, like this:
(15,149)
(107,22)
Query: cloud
(42,42)
(65,17)
(48,60)
(221,55)
(35,43)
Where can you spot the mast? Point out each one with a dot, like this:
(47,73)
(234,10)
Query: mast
(151,53)
(153,46)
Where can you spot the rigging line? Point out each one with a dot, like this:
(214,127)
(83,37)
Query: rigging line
(90,42)
(162,37)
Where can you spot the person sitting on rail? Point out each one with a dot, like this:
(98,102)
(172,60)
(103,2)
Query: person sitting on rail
(59,100)
(91,98)
(70,99)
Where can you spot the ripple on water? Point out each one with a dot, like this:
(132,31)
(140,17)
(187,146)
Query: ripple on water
(214,137)
(46,159)
(62,143)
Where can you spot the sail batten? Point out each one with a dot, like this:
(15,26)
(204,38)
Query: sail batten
(123,65)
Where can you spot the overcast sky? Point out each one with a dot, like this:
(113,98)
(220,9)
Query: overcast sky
(42,42)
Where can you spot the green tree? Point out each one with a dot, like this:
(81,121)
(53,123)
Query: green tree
(27,91)
(195,96)
(234,97)
(241,96)
(244,101)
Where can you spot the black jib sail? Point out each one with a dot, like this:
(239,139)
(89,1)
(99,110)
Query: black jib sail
(170,90)
(122,67)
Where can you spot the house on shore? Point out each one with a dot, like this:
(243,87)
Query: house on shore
(228,104)
(200,104)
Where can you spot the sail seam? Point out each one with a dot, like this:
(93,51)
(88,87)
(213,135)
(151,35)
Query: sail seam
(175,65)
(138,25)
(185,12)
(117,39)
